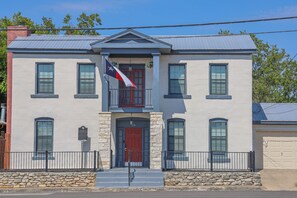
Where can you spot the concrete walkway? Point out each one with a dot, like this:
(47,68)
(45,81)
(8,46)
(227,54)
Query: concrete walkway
(279,180)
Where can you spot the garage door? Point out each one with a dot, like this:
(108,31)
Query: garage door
(279,150)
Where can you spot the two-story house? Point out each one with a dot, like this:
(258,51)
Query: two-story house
(194,93)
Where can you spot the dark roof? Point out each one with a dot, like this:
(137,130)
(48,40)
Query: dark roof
(275,113)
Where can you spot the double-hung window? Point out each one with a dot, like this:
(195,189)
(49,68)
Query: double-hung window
(176,135)
(44,134)
(86,79)
(45,78)
(218,80)
(177,79)
(218,136)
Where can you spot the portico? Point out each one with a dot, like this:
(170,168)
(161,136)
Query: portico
(119,140)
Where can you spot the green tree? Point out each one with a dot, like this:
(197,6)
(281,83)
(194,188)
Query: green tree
(46,27)
(85,22)
(274,73)
(17,19)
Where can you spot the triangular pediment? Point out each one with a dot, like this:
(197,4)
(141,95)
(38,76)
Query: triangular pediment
(130,39)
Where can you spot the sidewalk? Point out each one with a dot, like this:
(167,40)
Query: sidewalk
(200,188)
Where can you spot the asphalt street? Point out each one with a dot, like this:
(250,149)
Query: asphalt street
(158,194)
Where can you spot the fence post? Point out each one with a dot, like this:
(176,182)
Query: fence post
(165,160)
(111,159)
(46,161)
(211,161)
(251,161)
(95,159)
(254,161)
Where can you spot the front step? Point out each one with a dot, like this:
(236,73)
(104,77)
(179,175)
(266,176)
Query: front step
(118,178)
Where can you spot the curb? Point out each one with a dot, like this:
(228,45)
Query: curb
(131,189)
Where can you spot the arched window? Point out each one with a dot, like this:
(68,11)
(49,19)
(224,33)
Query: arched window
(176,135)
(44,129)
(218,129)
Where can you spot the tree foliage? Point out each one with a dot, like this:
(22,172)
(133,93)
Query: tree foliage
(274,73)
(46,27)
(84,21)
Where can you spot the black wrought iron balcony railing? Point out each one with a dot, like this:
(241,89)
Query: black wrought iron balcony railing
(130,98)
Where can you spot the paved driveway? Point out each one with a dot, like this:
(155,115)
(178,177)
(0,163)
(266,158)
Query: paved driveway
(279,179)
(159,194)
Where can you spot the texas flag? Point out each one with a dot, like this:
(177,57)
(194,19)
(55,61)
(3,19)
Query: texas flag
(116,73)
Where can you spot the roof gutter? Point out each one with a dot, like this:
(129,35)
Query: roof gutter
(50,51)
(267,122)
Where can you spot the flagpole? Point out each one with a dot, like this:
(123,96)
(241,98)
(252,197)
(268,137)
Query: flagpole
(108,92)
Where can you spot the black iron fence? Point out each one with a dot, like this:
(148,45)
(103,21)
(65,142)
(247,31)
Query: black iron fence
(208,161)
(90,160)
(2,148)
(51,161)
(130,97)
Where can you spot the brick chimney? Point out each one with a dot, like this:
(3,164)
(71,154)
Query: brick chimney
(15,31)
(12,33)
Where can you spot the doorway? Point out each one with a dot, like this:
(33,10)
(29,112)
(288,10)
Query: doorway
(132,142)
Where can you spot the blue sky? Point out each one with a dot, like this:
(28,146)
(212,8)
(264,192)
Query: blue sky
(161,12)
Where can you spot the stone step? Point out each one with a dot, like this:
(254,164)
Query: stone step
(147,179)
(153,174)
(125,170)
(111,179)
(112,184)
(147,184)
(112,174)
(118,178)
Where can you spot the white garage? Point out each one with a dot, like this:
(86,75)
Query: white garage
(275,135)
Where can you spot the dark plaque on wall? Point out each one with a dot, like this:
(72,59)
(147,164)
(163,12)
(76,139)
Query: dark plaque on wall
(83,133)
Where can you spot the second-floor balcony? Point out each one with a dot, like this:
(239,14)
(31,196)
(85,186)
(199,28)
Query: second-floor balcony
(130,100)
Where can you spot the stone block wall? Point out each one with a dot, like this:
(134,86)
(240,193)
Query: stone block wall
(156,129)
(212,179)
(104,139)
(49,179)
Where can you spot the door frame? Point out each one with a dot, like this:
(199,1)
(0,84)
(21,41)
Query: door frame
(135,66)
(123,123)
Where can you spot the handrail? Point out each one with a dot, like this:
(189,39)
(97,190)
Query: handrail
(129,168)
(131,175)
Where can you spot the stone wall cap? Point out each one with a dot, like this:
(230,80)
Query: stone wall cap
(105,113)
(157,113)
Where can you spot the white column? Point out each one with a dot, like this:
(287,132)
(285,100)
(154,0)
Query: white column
(104,94)
(156,82)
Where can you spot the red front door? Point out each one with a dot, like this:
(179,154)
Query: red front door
(133,143)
